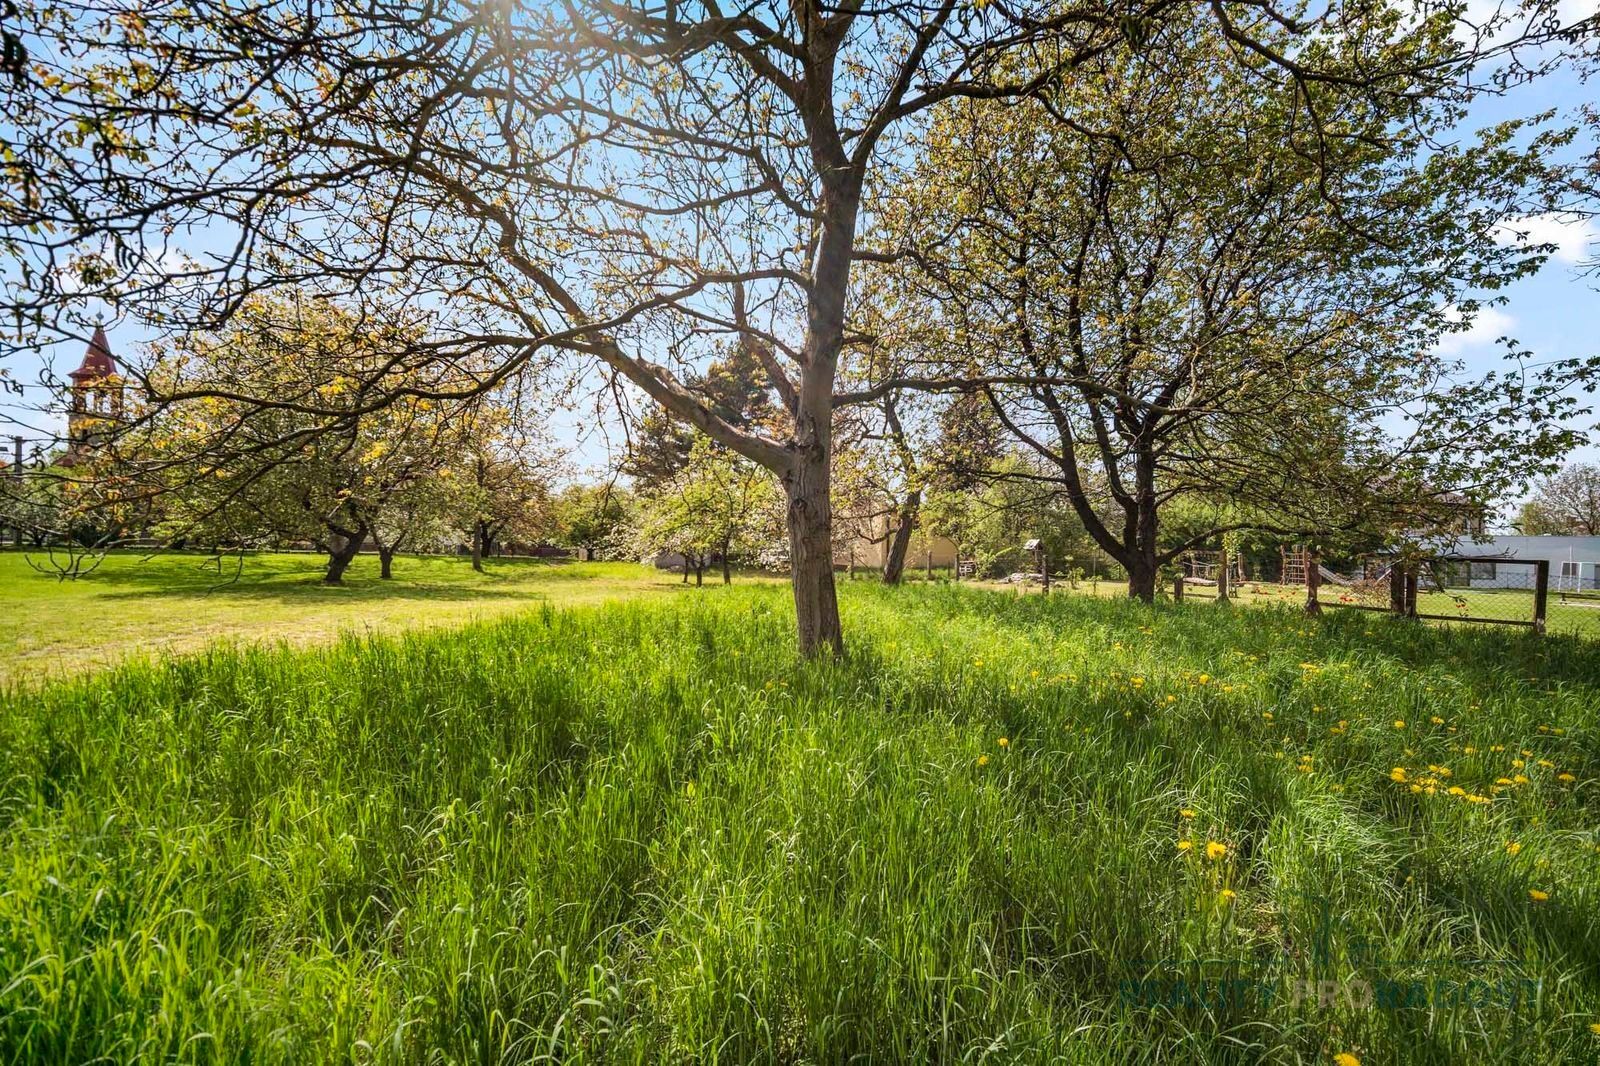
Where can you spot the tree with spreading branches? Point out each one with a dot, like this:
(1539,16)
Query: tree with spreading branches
(1169,284)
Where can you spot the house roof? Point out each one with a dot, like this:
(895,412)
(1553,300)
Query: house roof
(97,360)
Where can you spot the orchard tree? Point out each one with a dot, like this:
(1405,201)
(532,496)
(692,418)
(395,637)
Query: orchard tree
(604,184)
(503,484)
(719,503)
(1178,288)
(233,471)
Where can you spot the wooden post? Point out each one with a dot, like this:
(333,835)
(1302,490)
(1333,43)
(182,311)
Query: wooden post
(1177,586)
(1313,582)
(1397,587)
(1541,593)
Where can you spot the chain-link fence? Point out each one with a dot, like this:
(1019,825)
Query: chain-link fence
(1461,588)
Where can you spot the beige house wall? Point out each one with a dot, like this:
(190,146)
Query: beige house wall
(869,551)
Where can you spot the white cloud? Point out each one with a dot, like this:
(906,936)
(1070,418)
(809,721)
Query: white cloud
(1573,237)
(1488,326)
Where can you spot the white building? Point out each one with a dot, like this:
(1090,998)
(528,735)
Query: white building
(1574,562)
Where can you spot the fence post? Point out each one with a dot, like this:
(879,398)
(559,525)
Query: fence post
(1313,581)
(1541,593)
(1177,587)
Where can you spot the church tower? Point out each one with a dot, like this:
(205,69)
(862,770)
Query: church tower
(96,399)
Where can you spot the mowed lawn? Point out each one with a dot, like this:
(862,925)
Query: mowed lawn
(1005,828)
(138,604)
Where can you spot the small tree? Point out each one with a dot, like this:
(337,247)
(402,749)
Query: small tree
(718,504)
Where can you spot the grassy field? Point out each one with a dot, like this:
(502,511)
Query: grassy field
(1006,828)
(176,602)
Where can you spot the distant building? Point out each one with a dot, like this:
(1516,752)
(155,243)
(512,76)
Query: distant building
(1574,561)
(869,547)
(95,402)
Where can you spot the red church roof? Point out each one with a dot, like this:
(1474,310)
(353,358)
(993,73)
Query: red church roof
(97,361)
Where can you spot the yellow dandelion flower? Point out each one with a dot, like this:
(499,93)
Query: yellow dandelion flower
(1344,1058)
(1185,845)
(1186,813)
(1398,774)
(1537,896)
(1228,895)
(1565,778)
(983,760)
(1215,850)
(1399,723)
(1004,742)
(1512,847)
(1436,720)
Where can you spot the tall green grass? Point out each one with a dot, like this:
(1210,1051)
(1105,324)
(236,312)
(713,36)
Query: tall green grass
(644,833)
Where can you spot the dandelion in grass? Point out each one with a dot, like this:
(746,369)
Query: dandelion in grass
(1215,849)
(1565,779)
(983,760)
(1436,720)
(1185,846)
(1594,1027)
(1228,895)
(1398,774)
(1004,742)
(1399,723)
(1186,813)
(1344,1058)
(1537,896)
(1512,847)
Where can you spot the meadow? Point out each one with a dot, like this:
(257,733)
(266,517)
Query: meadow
(173,601)
(1004,829)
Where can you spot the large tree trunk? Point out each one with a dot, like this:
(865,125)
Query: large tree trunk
(727,567)
(1222,576)
(810,518)
(342,551)
(385,563)
(1142,580)
(477,546)
(894,563)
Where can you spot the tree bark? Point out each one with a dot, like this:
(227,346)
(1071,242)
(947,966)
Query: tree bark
(894,564)
(385,563)
(699,569)
(1222,576)
(810,518)
(1142,579)
(477,546)
(341,552)
(727,567)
